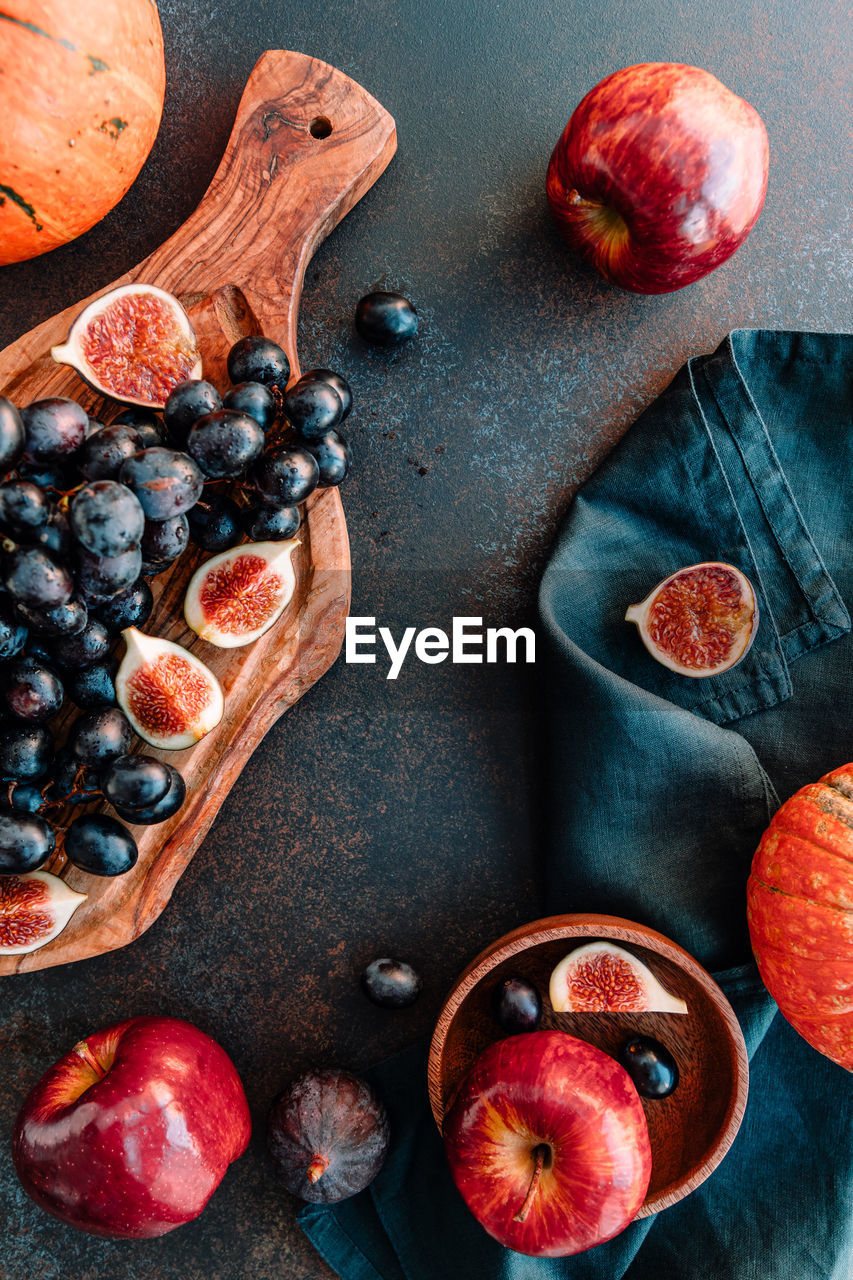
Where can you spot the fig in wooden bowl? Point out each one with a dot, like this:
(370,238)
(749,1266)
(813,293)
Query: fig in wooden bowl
(690,1129)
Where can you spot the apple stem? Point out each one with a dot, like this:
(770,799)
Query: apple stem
(538,1165)
(316,1169)
(83,1050)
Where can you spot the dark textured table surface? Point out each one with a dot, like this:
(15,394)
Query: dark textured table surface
(401,817)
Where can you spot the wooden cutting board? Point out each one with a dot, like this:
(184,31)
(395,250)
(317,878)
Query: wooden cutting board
(307,143)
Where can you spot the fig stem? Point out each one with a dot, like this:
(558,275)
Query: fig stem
(538,1154)
(316,1169)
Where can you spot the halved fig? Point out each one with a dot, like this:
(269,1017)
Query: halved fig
(700,620)
(135,343)
(235,597)
(169,696)
(600,977)
(34,908)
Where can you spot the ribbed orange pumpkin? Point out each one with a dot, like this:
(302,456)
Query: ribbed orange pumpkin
(800,913)
(81,95)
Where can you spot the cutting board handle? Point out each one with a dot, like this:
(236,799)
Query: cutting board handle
(307,143)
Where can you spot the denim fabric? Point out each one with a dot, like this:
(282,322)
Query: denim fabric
(659,790)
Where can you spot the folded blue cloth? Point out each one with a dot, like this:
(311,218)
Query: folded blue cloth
(659,788)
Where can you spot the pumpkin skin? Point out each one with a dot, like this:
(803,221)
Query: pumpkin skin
(81,96)
(800,913)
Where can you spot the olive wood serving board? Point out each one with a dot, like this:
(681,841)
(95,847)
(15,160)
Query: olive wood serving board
(692,1129)
(307,143)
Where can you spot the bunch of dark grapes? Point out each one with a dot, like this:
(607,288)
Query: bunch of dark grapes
(89,513)
(272,446)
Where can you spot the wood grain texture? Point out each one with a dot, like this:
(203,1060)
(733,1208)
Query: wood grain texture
(238,264)
(692,1129)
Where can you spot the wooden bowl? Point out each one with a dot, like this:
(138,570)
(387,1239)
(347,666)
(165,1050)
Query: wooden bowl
(694,1127)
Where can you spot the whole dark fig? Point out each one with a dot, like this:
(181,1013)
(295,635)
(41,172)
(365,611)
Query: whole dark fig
(328,1135)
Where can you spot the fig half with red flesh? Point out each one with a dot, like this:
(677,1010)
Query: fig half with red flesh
(34,908)
(328,1135)
(235,597)
(600,977)
(700,620)
(135,343)
(169,696)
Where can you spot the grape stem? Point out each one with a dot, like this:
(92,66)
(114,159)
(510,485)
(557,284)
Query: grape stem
(538,1154)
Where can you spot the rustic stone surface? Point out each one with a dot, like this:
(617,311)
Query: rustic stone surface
(402,816)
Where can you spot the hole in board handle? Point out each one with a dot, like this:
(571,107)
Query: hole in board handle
(320,127)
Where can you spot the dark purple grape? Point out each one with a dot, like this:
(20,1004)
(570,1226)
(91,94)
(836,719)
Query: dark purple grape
(37,647)
(55,536)
(188,402)
(225,443)
(264,523)
(93,686)
(393,984)
(97,737)
(136,782)
(57,477)
(163,809)
(53,429)
(25,752)
(286,475)
(166,483)
(258,359)
(215,522)
(26,841)
(11,435)
(26,797)
(650,1065)
(336,380)
(13,634)
(165,540)
(333,456)
(516,1005)
(104,452)
(128,608)
(101,577)
(313,408)
(73,783)
(34,578)
(24,509)
(254,399)
(91,644)
(385,319)
(31,691)
(106,518)
(145,422)
(66,619)
(99,844)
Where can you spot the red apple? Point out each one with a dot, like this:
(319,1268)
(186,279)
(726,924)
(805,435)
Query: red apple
(659,176)
(131,1132)
(548,1144)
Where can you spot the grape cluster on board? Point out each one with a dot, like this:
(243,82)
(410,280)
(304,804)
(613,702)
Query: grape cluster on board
(88,513)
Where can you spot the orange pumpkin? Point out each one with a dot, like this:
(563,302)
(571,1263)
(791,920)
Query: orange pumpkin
(81,95)
(800,913)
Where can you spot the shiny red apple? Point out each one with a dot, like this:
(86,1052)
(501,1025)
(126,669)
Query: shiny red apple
(548,1144)
(130,1133)
(659,176)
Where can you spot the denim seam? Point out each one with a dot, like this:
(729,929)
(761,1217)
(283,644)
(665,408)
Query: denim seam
(761,674)
(828,593)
